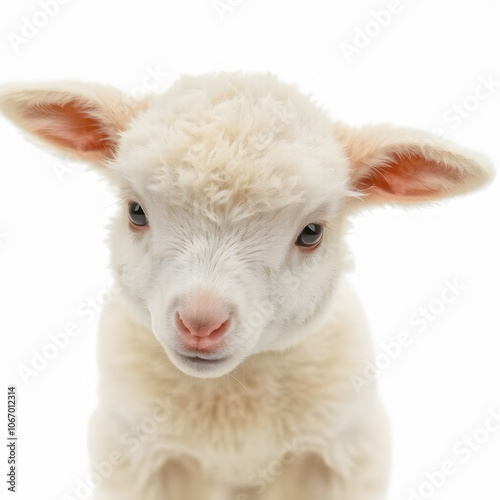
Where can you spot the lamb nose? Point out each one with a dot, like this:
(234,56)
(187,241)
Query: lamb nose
(202,333)
(201,328)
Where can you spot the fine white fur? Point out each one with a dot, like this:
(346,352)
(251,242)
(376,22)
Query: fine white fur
(229,169)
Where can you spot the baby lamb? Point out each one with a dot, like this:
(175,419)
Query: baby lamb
(227,358)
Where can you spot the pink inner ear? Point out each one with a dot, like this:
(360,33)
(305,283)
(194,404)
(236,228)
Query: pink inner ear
(69,125)
(412,176)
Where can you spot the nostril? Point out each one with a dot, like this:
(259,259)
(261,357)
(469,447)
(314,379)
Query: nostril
(220,330)
(180,325)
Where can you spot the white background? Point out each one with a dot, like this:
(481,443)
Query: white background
(430,57)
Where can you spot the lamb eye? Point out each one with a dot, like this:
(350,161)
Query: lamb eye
(310,237)
(136,214)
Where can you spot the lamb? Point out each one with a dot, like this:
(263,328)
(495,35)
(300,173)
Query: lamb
(226,359)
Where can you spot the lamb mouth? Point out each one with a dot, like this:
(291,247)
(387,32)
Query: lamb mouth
(201,359)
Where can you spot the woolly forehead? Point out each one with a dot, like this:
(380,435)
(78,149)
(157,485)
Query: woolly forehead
(232,160)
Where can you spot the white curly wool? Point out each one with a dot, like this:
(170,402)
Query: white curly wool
(229,170)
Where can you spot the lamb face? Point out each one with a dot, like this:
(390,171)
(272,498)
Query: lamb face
(231,184)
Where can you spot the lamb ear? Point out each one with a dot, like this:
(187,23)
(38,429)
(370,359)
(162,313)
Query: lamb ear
(82,119)
(403,165)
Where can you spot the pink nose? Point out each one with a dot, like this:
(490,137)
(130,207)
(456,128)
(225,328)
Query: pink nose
(202,332)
